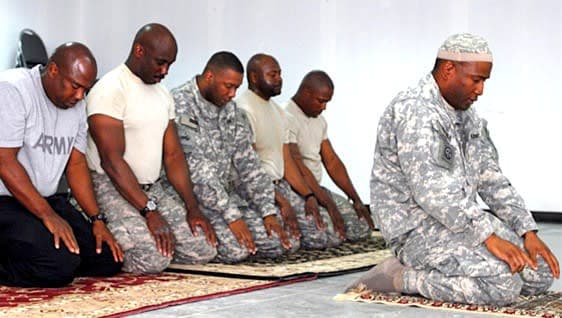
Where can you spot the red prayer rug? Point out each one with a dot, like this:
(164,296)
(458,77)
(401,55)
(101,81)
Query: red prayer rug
(121,295)
(548,305)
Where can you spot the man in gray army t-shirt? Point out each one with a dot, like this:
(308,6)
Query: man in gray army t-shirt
(42,136)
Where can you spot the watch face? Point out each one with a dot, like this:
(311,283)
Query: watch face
(151,205)
(98,217)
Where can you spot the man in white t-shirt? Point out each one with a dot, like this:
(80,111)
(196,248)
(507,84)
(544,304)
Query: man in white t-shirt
(270,139)
(132,132)
(42,136)
(311,149)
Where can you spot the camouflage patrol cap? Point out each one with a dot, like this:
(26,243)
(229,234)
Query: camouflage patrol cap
(465,47)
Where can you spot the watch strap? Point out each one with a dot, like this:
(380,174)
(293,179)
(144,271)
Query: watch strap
(151,205)
(98,217)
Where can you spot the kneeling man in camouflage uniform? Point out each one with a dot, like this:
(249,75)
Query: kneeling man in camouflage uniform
(432,158)
(235,193)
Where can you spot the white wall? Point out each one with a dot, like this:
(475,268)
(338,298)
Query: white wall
(56,21)
(372,49)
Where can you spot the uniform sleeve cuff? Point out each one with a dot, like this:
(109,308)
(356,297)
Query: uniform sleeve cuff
(269,209)
(232,214)
(522,231)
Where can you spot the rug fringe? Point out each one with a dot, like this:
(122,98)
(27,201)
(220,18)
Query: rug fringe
(345,296)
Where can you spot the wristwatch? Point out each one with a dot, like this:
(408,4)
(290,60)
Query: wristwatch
(98,217)
(151,205)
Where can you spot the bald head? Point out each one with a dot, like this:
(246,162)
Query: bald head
(69,73)
(316,80)
(264,76)
(153,35)
(74,56)
(314,93)
(154,50)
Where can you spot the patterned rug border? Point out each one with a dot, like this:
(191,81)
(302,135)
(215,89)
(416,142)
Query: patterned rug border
(283,272)
(344,263)
(211,296)
(124,294)
(421,302)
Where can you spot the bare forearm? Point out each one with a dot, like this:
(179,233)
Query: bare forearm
(323,198)
(80,182)
(16,179)
(109,135)
(178,174)
(293,175)
(279,198)
(339,175)
(125,181)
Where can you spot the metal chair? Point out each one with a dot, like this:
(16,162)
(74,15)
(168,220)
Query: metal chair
(31,50)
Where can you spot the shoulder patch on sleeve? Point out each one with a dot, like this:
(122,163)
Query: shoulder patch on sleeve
(189,122)
(444,154)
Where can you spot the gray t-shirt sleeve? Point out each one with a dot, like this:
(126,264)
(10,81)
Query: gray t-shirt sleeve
(12,116)
(81,136)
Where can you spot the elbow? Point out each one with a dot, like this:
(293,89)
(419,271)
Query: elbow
(173,156)
(108,165)
(336,166)
(169,159)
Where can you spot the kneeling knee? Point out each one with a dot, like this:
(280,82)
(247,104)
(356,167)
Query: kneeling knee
(318,242)
(539,283)
(503,290)
(270,247)
(201,255)
(232,254)
(109,268)
(58,272)
(146,264)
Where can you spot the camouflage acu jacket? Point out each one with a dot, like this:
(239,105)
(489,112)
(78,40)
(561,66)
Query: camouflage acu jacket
(217,144)
(432,161)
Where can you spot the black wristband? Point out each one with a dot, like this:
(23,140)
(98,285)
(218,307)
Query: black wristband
(98,217)
(308,196)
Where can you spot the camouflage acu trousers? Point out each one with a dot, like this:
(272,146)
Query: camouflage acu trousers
(229,250)
(312,238)
(355,229)
(131,232)
(295,244)
(446,268)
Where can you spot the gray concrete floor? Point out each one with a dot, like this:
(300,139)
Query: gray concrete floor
(314,298)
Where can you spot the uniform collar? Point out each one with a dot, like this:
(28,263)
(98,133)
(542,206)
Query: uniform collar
(206,108)
(430,87)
